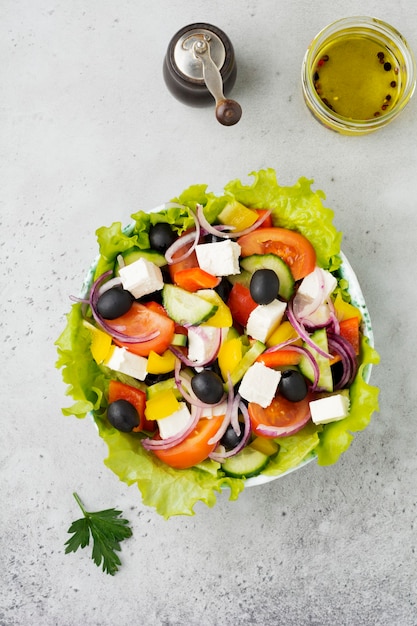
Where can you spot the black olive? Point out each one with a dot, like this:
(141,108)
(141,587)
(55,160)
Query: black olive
(230,439)
(264,286)
(223,289)
(293,385)
(161,236)
(207,386)
(114,302)
(122,415)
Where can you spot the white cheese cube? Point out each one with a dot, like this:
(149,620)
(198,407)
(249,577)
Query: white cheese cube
(201,342)
(176,422)
(121,360)
(214,411)
(319,283)
(329,409)
(220,258)
(141,277)
(259,384)
(264,319)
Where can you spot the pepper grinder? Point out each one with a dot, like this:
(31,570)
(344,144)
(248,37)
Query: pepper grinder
(200,65)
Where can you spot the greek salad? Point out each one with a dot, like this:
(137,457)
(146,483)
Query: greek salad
(215,340)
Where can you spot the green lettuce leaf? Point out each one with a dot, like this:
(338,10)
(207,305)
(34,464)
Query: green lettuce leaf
(175,492)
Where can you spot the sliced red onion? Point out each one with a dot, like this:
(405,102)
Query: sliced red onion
(284,431)
(93,299)
(219,231)
(170,442)
(220,457)
(192,237)
(232,407)
(302,332)
(113,282)
(346,351)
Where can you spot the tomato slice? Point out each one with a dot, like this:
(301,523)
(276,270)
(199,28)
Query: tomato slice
(142,319)
(240,303)
(195,448)
(267,223)
(292,247)
(284,416)
(137,397)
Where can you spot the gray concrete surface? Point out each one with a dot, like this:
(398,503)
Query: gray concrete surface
(89,135)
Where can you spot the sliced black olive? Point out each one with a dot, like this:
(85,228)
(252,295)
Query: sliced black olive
(207,386)
(230,440)
(161,236)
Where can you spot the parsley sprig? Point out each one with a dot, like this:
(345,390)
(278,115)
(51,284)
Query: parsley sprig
(107,530)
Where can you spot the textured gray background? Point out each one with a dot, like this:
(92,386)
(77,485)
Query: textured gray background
(89,135)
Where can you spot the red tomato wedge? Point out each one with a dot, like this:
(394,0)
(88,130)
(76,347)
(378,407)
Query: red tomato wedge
(194,278)
(240,303)
(140,320)
(292,247)
(267,223)
(283,417)
(195,448)
(136,397)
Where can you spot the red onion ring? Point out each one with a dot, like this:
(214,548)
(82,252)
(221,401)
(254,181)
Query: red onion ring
(302,332)
(192,237)
(346,351)
(219,232)
(170,442)
(93,299)
(230,416)
(211,356)
(246,434)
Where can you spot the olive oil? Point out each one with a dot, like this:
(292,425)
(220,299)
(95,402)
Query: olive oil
(357,77)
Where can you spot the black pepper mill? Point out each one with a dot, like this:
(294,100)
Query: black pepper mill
(200,65)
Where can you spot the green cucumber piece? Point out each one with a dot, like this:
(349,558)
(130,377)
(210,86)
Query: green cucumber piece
(135,254)
(271,262)
(326,380)
(163,385)
(245,464)
(179,340)
(248,359)
(185,307)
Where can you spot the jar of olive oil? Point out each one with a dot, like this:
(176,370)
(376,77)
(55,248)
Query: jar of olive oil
(357,75)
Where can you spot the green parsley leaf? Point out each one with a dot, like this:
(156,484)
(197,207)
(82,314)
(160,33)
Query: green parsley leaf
(106,528)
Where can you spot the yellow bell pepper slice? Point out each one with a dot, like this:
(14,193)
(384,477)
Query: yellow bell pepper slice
(282,333)
(345,310)
(222,318)
(101,343)
(160,363)
(237,215)
(229,356)
(161,405)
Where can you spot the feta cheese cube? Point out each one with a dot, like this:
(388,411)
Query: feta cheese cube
(264,319)
(201,342)
(329,409)
(141,277)
(319,282)
(121,360)
(176,422)
(220,258)
(259,384)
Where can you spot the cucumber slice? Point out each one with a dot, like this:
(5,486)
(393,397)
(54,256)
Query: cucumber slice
(179,340)
(271,262)
(248,359)
(163,385)
(185,307)
(245,464)
(135,253)
(326,380)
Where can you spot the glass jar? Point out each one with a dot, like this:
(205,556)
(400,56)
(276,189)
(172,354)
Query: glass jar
(358,74)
